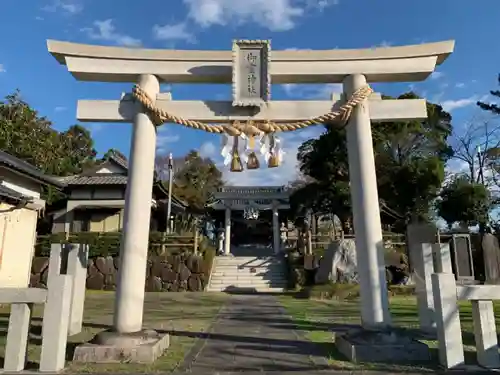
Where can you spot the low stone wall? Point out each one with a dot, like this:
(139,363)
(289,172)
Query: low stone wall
(169,273)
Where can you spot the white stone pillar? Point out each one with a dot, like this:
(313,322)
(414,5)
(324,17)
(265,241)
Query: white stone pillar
(129,304)
(449,331)
(485,334)
(227,233)
(424,268)
(365,207)
(276,229)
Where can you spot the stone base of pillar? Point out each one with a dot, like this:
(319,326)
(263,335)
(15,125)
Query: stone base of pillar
(112,347)
(382,346)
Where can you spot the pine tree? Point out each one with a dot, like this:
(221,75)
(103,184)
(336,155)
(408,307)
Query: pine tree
(492,107)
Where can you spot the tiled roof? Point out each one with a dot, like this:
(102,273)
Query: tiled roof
(26,168)
(245,190)
(11,194)
(104,179)
(119,160)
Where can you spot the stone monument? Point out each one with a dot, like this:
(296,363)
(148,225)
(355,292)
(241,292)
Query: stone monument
(491,255)
(461,252)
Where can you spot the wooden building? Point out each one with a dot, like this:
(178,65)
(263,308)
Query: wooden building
(96,199)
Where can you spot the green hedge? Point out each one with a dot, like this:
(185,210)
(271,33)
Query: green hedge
(108,244)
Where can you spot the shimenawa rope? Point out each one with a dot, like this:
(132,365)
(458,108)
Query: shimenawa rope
(251,128)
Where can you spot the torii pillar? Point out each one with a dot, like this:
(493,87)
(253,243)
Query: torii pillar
(366,212)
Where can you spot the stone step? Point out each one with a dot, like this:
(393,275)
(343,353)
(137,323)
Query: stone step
(247,274)
(221,274)
(247,265)
(247,281)
(245,259)
(235,272)
(247,286)
(258,290)
(248,269)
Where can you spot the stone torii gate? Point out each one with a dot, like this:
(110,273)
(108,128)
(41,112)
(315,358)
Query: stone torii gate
(148,68)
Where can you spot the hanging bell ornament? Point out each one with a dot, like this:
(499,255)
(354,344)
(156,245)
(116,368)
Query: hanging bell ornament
(253,161)
(273,160)
(236,164)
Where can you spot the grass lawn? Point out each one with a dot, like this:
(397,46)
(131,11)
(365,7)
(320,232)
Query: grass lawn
(184,313)
(318,319)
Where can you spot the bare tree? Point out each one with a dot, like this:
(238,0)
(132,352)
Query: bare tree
(476,147)
(161,165)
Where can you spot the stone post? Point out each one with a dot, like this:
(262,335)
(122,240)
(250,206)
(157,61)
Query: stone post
(424,268)
(129,303)
(449,331)
(227,234)
(365,206)
(276,229)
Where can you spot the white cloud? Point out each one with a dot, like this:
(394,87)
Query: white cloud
(323,4)
(437,75)
(66,6)
(94,128)
(450,105)
(303,91)
(383,44)
(275,15)
(174,32)
(106,31)
(164,138)
(460,85)
(60,109)
(282,175)
(208,150)
(2,68)
(456,166)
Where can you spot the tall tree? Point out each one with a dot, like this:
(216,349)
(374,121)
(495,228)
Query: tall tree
(410,158)
(464,201)
(161,165)
(196,180)
(115,152)
(476,147)
(29,136)
(491,107)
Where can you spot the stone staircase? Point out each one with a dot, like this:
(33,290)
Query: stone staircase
(247,274)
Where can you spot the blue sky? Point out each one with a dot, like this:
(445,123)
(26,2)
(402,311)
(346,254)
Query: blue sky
(466,76)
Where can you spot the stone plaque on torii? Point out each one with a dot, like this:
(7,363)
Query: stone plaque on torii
(248,116)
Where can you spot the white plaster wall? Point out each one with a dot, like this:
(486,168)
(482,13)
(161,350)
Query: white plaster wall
(17,241)
(111,169)
(19,183)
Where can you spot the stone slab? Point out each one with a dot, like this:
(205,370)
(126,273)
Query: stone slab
(22,295)
(387,347)
(114,352)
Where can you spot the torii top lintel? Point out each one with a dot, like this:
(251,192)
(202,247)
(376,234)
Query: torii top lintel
(120,64)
